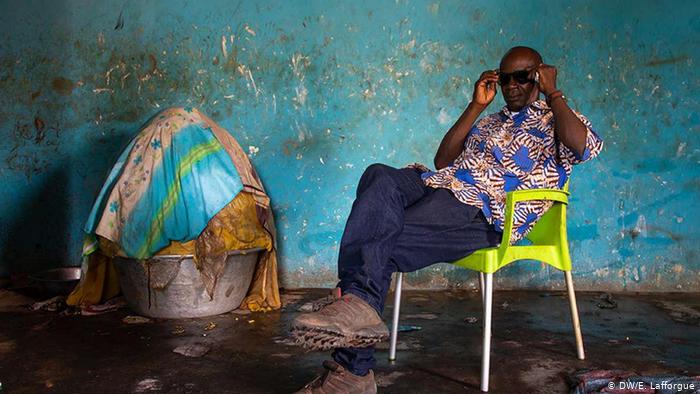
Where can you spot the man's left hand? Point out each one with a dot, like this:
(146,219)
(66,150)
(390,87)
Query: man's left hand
(548,78)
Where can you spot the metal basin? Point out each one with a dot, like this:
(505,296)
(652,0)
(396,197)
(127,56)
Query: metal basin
(176,289)
(57,281)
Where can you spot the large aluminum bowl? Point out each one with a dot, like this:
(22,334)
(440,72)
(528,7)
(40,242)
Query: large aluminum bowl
(171,286)
(57,281)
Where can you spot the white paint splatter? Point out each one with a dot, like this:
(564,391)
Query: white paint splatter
(245,71)
(249,30)
(299,63)
(301,94)
(443,117)
(224,50)
(253,150)
(681,149)
(654,90)
(640,228)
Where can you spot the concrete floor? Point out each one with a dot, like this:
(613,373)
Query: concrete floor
(532,350)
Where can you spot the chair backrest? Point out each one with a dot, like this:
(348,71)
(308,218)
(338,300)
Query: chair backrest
(551,228)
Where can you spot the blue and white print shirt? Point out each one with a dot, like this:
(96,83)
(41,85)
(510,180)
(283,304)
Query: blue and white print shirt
(509,151)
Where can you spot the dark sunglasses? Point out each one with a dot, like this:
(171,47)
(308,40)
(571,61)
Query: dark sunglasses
(521,76)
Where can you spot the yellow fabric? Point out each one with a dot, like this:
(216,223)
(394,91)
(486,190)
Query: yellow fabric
(235,227)
(99,284)
(177,248)
(264,294)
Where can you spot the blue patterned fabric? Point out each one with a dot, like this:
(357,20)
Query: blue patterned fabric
(509,151)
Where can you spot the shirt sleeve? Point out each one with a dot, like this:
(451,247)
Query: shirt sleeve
(594,144)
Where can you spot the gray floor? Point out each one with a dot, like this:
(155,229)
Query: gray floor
(532,350)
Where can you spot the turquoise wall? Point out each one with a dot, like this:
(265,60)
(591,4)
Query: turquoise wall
(318,90)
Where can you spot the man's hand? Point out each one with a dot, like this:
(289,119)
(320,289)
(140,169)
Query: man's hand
(453,142)
(485,88)
(548,78)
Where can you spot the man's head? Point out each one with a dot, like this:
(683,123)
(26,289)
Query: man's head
(517,77)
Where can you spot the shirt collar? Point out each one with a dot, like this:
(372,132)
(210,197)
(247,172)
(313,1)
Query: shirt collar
(535,105)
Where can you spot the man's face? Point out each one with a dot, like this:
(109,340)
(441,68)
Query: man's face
(518,92)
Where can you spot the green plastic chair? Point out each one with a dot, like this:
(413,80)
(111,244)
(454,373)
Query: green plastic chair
(549,245)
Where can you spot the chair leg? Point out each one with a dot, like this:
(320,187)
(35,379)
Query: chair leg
(574,315)
(481,287)
(486,348)
(395,321)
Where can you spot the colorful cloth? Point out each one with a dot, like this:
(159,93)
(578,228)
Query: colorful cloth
(186,171)
(170,181)
(509,151)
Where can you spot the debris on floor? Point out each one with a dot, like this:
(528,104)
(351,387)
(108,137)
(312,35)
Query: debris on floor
(192,350)
(471,319)
(148,385)
(136,320)
(409,328)
(111,305)
(605,301)
(178,330)
(210,326)
(53,304)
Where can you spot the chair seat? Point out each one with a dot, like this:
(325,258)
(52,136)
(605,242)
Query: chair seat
(488,260)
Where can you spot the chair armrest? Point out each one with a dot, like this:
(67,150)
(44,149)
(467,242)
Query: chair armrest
(538,194)
(557,195)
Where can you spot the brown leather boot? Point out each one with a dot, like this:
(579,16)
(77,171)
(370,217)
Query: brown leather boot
(338,380)
(346,322)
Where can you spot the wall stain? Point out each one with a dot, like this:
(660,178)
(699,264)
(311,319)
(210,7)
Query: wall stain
(63,86)
(671,60)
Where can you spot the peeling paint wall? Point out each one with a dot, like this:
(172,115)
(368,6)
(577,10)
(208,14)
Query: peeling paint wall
(317,91)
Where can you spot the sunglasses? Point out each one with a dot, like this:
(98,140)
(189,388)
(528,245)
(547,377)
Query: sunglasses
(522,77)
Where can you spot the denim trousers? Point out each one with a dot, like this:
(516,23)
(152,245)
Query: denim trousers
(399,224)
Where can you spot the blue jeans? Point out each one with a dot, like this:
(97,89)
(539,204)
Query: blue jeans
(399,224)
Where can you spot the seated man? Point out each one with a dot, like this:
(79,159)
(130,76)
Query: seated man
(406,219)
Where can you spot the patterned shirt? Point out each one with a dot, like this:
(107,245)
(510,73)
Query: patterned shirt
(509,151)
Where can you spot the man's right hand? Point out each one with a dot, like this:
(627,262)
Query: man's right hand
(485,88)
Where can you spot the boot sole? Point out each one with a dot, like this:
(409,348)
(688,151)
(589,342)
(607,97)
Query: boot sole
(320,339)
